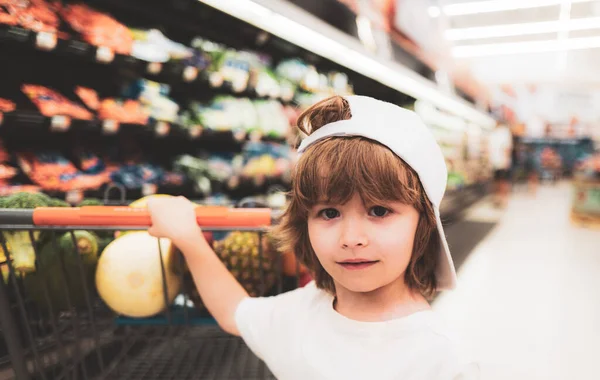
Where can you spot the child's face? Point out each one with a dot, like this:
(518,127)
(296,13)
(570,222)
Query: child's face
(363,247)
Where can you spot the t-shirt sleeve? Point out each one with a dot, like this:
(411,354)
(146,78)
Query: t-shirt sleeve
(264,321)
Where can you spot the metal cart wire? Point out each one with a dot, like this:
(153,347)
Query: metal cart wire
(92,342)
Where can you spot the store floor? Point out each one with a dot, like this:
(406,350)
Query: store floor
(528,299)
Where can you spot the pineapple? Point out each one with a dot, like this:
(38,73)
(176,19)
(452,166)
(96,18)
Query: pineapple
(240,253)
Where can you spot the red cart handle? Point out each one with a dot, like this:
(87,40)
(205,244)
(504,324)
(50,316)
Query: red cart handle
(206,216)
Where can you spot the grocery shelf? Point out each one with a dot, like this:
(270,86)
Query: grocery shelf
(171,72)
(32,121)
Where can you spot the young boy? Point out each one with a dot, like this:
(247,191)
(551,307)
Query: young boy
(364,218)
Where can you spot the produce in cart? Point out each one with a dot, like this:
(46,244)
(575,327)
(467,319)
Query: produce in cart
(240,252)
(19,243)
(59,272)
(129,275)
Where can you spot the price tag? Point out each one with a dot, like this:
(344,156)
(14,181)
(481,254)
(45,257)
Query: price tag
(233,182)
(74,196)
(149,189)
(215,80)
(256,136)
(105,54)
(45,40)
(154,67)
(110,127)
(24,165)
(239,135)
(190,73)
(195,131)
(60,123)
(162,128)
(239,86)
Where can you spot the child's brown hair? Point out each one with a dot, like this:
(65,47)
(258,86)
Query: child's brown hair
(335,169)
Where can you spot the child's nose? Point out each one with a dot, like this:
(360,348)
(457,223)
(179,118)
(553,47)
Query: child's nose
(353,235)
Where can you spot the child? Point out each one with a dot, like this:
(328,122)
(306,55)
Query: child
(364,218)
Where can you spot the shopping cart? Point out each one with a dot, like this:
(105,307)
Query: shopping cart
(92,342)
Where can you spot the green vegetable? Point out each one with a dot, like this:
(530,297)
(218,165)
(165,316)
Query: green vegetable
(19,242)
(55,202)
(91,202)
(87,245)
(58,277)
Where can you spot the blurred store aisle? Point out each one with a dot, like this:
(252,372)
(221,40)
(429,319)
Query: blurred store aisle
(528,300)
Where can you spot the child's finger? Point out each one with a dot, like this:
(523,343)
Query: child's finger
(152,232)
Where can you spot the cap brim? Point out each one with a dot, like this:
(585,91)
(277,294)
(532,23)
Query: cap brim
(445,272)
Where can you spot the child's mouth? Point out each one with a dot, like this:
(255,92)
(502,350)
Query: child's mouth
(356,265)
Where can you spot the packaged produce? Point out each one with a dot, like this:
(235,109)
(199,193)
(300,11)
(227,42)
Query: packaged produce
(126,111)
(53,172)
(97,28)
(154,98)
(199,59)
(89,97)
(153,46)
(233,67)
(272,119)
(6,16)
(7,172)
(225,113)
(202,171)
(134,176)
(51,103)
(36,15)
(263,160)
(7,105)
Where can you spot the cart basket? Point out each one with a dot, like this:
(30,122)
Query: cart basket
(54,324)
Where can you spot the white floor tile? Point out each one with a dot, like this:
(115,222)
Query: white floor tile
(528,299)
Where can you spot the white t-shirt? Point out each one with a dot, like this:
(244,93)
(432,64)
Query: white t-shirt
(300,336)
(500,144)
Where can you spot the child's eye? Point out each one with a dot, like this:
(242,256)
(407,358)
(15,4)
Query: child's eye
(379,211)
(329,213)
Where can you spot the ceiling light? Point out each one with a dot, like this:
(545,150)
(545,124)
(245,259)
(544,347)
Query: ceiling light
(297,26)
(489,6)
(526,47)
(509,30)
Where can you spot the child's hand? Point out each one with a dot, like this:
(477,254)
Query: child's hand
(173,218)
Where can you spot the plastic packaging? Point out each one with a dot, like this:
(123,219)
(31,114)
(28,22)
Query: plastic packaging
(98,29)
(51,103)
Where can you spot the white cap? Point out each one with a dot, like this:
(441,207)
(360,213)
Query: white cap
(405,134)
